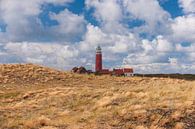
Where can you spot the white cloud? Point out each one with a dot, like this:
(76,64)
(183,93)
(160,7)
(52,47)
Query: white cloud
(70,25)
(23,24)
(163,45)
(188,5)
(150,13)
(186,49)
(113,43)
(73,41)
(106,11)
(156,19)
(50,54)
(173,61)
(164,68)
(172,66)
(109,13)
(184,28)
(157,51)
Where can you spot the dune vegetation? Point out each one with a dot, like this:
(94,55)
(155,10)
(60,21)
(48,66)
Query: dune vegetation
(36,97)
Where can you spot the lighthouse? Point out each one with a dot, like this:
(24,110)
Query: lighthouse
(98,61)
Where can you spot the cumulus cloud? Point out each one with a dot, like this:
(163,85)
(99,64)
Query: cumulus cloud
(51,54)
(188,5)
(114,45)
(164,68)
(157,51)
(106,11)
(109,14)
(184,28)
(23,24)
(73,39)
(172,66)
(156,19)
(96,36)
(71,26)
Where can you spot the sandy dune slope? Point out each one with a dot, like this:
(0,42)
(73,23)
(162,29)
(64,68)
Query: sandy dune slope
(36,97)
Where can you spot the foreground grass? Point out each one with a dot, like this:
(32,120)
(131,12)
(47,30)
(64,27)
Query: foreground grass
(88,101)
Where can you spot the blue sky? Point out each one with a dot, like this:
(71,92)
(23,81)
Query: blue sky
(157,36)
(172,7)
(78,7)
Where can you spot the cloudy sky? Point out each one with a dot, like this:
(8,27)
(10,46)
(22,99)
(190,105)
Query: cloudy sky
(153,36)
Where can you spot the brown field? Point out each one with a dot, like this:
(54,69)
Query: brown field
(35,97)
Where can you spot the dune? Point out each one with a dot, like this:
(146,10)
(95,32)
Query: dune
(33,97)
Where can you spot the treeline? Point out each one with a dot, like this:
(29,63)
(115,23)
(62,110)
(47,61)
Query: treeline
(176,76)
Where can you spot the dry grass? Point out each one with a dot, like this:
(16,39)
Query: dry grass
(87,101)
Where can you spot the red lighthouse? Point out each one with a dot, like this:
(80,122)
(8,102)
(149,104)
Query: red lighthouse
(98,61)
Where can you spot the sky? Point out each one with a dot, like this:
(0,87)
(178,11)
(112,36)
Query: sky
(152,36)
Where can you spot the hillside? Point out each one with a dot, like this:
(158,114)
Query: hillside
(33,97)
(29,73)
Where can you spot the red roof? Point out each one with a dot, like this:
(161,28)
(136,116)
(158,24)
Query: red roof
(128,70)
(118,71)
(105,71)
(122,71)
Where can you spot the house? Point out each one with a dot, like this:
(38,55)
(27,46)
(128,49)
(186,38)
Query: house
(123,72)
(117,72)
